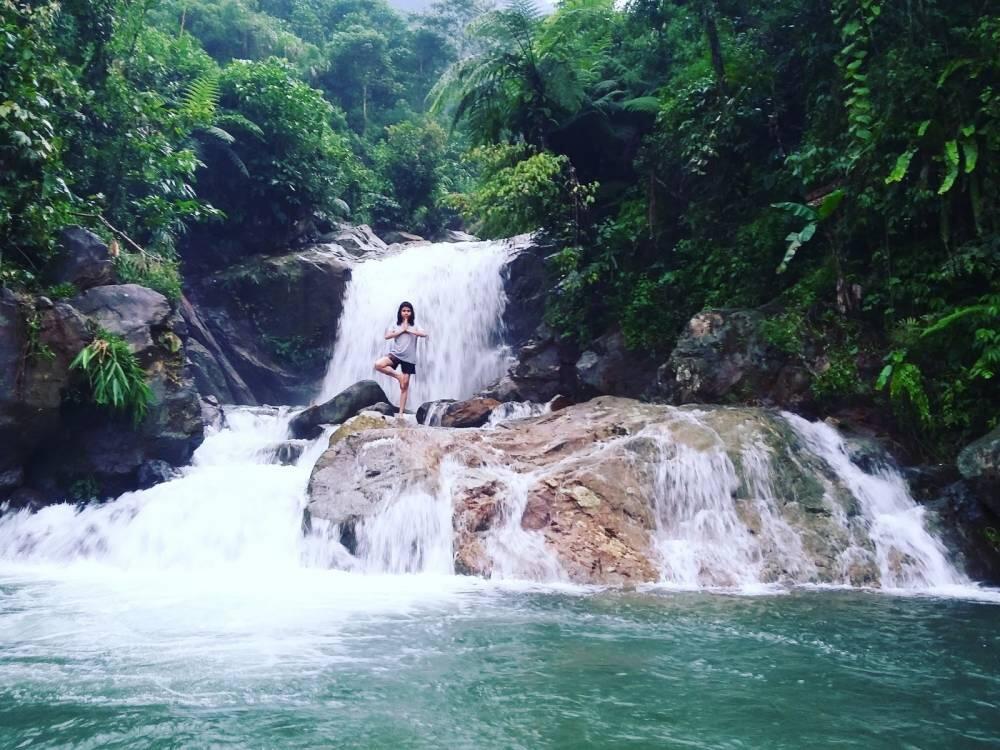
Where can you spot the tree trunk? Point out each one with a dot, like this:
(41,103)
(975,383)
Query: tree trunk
(714,46)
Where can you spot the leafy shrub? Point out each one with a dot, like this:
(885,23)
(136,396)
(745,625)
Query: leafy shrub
(115,377)
(784,332)
(840,379)
(63,290)
(522,190)
(161,274)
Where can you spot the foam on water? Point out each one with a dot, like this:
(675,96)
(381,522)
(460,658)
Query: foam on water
(236,512)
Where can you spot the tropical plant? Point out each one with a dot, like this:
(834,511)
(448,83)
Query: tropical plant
(116,379)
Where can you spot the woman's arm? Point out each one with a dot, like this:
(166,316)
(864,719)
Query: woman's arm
(418,332)
(391,333)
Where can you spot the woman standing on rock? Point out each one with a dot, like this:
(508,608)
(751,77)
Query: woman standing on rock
(402,351)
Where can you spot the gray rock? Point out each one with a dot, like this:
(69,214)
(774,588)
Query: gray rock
(454,235)
(525,282)
(34,375)
(308,423)
(402,238)
(207,373)
(204,372)
(212,414)
(286,453)
(722,357)
(384,408)
(270,323)
(155,472)
(83,260)
(981,458)
(131,311)
(609,369)
(352,478)
(358,240)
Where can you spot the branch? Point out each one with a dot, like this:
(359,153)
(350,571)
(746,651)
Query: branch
(120,233)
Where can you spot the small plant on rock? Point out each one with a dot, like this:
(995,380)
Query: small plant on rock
(116,379)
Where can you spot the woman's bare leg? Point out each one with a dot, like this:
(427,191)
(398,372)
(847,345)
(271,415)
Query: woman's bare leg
(384,366)
(404,390)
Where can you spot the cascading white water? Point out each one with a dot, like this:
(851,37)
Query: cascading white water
(228,508)
(908,556)
(718,508)
(458,295)
(719,524)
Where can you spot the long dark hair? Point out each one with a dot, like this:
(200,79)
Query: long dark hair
(399,314)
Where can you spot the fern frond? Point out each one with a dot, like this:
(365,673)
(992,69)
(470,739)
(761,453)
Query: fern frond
(201,97)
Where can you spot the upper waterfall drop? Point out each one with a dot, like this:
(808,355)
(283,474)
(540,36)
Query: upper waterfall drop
(458,295)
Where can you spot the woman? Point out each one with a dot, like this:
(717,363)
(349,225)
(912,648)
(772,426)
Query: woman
(402,351)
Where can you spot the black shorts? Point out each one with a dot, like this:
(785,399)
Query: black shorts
(408,367)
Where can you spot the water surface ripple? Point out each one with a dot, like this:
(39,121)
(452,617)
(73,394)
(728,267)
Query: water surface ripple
(90,659)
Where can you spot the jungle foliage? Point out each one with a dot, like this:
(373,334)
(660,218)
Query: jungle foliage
(837,159)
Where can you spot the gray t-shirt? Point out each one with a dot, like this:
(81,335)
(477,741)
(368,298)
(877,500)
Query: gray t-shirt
(404,347)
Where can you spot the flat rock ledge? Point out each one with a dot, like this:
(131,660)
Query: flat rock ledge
(580,494)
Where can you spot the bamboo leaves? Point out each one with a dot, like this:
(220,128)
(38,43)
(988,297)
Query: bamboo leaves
(116,379)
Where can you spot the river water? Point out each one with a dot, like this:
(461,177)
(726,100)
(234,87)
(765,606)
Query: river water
(196,614)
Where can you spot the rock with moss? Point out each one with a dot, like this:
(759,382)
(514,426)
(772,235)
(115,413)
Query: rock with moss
(309,422)
(613,491)
(61,438)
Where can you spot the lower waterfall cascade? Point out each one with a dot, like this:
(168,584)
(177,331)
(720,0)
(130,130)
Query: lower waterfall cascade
(237,507)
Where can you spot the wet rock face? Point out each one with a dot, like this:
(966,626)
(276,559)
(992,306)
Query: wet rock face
(59,438)
(525,282)
(84,260)
(473,412)
(613,491)
(607,367)
(721,357)
(269,324)
(980,460)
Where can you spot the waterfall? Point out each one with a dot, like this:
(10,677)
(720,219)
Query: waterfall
(230,508)
(907,555)
(721,519)
(736,498)
(458,295)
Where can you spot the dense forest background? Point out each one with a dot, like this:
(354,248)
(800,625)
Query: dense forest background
(835,161)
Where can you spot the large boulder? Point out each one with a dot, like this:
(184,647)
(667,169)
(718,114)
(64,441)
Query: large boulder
(608,368)
(356,240)
(397,237)
(83,260)
(980,460)
(722,357)
(58,439)
(270,323)
(136,313)
(309,422)
(616,491)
